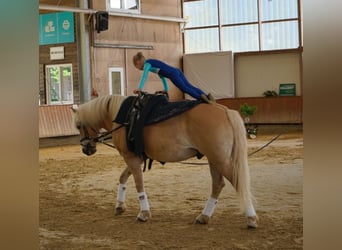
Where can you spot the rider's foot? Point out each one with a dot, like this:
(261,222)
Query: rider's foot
(205,98)
(211,98)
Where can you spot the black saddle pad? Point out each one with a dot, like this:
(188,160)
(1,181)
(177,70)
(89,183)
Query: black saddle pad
(157,109)
(160,109)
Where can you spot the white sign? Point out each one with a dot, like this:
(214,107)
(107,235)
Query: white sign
(57,53)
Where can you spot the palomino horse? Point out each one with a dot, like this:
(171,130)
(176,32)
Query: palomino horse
(210,129)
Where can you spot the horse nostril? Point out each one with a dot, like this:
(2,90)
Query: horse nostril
(85,151)
(88,150)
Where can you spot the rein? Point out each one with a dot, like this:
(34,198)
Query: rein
(101,138)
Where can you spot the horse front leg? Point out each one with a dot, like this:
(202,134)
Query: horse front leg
(217,186)
(120,206)
(145,213)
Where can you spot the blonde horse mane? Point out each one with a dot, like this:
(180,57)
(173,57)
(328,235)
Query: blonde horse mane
(97,110)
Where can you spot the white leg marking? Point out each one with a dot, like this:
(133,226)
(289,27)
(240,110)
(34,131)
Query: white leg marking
(144,206)
(250,212)
(121,193)
(210,207)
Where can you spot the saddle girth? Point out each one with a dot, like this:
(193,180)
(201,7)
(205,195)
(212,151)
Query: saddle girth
(134,114)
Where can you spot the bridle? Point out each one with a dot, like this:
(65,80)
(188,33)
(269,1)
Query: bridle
(102,137)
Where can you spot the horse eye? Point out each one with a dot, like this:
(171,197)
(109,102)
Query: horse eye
(78,127)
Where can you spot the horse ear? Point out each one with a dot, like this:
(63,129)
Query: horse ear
(74,108)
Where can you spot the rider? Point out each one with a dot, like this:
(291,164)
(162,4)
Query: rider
(166,71)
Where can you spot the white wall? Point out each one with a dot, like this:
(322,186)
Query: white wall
(212,72)
(247,75)
(255,73)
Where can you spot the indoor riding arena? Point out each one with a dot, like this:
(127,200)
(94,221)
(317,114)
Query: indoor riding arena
(78,194)
(211,53)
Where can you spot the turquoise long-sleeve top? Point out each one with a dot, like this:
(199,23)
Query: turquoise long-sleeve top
(149,68)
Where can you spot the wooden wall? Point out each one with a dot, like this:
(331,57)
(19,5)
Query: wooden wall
(56,120)
(270,110)
(162,8)
(163,36)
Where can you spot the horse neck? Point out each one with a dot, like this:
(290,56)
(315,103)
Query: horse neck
(91,113)
(100,112)
(107,109)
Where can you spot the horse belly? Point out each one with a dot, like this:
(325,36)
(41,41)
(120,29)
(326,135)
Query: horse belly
(167,142)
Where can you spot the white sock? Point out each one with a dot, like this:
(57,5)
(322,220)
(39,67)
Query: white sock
(209,207)
(250,212)
(144,206)
(121,193)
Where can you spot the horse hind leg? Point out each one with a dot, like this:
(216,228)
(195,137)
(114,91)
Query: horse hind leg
(239,167)
(226,171)
(246,202)
(217,186)
(252,217)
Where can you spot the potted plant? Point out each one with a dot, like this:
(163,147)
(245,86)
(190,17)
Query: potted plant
(246,112)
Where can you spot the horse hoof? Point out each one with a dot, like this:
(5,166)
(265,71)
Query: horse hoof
(252,222)
(120,208)
(144,216)
(202,219)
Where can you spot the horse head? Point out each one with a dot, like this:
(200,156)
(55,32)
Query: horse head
(88,134)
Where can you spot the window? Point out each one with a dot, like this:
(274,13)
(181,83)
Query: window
(202,40)
(130,6)
(241,25)
(59,84)
(202,13)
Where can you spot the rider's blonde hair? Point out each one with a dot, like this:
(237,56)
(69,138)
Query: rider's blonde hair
(138,57)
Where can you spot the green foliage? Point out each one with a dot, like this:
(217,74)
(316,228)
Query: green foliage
(67,71)
(54,74)
(247,110)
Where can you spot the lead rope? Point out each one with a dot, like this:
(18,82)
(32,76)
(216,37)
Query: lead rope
(274,138)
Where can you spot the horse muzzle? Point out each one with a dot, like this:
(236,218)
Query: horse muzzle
(88,149)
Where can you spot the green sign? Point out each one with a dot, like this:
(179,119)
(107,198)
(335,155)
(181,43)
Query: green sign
(56,28)
(287,89)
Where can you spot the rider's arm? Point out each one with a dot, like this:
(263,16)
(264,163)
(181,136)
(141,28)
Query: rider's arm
(166,86)
(147,67)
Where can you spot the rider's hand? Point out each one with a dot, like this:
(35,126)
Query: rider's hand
(136,91)
(164,92)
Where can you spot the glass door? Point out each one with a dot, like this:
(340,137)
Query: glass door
(116,83)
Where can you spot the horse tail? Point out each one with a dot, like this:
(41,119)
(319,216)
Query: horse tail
(239,159)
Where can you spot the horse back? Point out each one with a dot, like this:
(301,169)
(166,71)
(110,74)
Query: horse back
(202,129)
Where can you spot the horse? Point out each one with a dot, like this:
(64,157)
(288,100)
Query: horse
(212,130)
